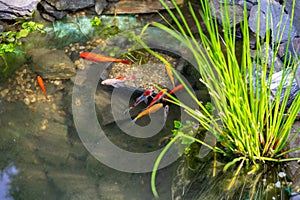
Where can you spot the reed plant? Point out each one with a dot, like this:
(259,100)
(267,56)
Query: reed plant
(251,124)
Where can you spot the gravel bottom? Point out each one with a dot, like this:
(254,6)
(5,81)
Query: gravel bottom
(149,74)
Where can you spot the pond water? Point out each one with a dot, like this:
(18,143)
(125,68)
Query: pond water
(43,155)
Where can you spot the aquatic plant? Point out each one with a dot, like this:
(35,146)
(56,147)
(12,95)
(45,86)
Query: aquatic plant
(9,40)
(251,124)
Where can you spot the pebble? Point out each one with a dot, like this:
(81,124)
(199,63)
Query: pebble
(57,82)
(33,99)
(26,101)
(281,174)
(278,184)
(43,127)
(28,85)
(4,92)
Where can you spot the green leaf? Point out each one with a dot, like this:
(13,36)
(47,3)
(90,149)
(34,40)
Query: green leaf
(186,141)
(11,39)
(22,33)
(96,22)
(40,26)
(177,124)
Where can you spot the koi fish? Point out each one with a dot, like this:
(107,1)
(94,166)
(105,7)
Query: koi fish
(170,74)
(101,58)
(149,110)
(42,85)
(166,113)
(143,97)
(157,97)
(114,81)
(175,89)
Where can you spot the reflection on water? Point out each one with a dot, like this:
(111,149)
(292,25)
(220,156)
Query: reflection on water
(5,181)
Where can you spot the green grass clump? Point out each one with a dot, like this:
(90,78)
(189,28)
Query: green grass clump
(252,124)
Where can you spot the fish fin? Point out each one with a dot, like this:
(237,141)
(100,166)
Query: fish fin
(120,77)
(126,62)
(116,85)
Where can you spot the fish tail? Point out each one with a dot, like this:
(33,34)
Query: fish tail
(126,62)
(45,94)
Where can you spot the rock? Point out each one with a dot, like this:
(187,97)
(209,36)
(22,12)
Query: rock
(296,21)
(274,10)
(51,13)
(52,64)
(278,64)
(103,107)
(75,184)
(293,166)
(293,49)
(57,9)
(137,6)
(54,138)
(238,10)
(17,8)
(100,5)
(70,5)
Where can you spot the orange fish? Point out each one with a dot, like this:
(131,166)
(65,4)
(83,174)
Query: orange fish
(101,58)
(152,109)
(42,85)
(158,97)
(175,89)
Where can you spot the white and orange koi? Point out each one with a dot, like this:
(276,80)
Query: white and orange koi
(114,81)
(149,110)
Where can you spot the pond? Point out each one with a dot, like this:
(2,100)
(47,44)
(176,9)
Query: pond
(44,154)
(82,140)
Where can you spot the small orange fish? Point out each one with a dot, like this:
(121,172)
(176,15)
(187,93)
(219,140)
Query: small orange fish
(101,58)
(152,109)
(42,85)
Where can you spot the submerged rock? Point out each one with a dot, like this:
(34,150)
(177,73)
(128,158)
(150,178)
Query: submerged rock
(52,64)
(16,8)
